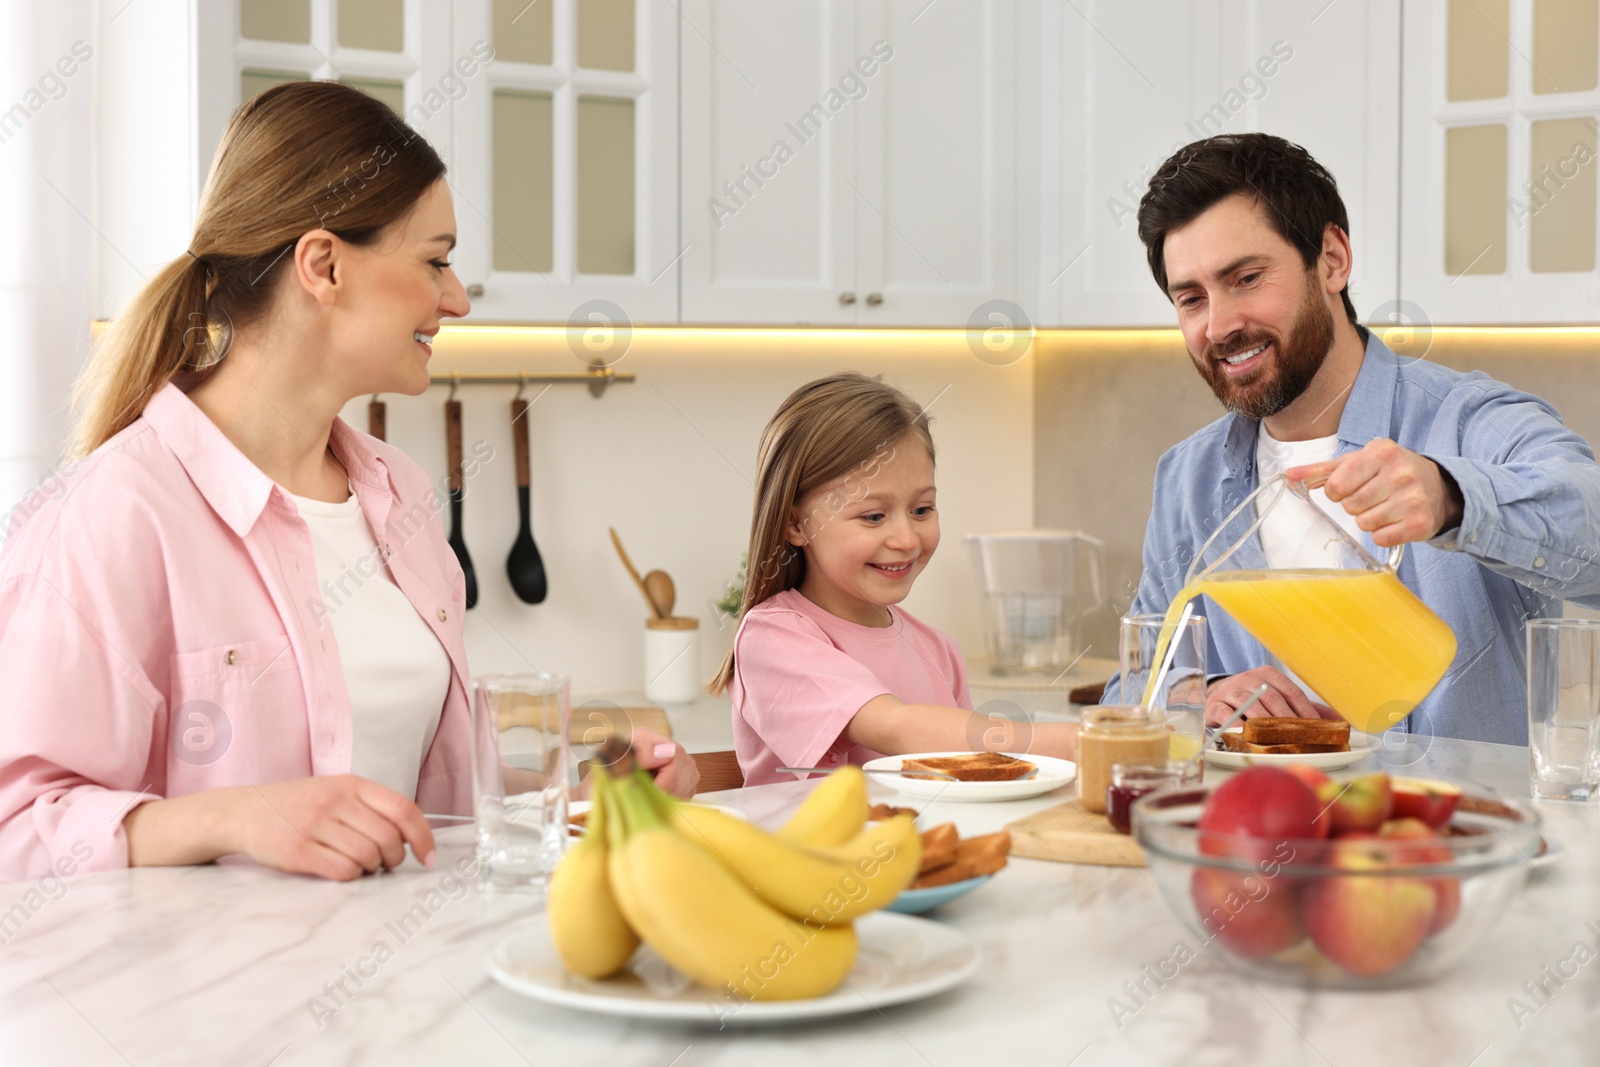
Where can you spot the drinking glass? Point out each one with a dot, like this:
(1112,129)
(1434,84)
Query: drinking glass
(1564,708)
(521,768)
(1182,696)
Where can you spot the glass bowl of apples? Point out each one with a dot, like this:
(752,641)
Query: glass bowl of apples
(1357,883)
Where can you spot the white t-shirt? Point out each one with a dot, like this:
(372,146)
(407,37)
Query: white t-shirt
(395,669)
(1288,538)
(1283,534)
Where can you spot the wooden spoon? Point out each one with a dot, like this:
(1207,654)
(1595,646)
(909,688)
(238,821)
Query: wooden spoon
(662,593)
(628,563)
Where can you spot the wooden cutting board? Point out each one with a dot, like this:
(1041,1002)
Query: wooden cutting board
(590,724)
(1067,833)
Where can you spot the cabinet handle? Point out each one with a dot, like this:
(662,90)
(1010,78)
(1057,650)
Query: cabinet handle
(847,298)
(874,299)
(475,290)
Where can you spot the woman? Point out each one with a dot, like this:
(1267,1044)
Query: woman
(178,687)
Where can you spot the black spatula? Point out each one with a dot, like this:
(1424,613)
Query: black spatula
(524,566)
(452,433)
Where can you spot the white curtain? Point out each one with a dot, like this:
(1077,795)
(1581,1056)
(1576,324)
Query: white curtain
(47,235)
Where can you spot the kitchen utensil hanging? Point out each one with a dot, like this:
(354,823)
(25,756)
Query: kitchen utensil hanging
(524,566)
(456,486)
(378,418)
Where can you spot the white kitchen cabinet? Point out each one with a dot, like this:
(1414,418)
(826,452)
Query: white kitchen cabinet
(847,163)
(564,161)
(1126,82)
(1498,161)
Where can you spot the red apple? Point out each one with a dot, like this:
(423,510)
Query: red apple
(1420,798)
(1359,805)
(1367,921)
(1317,781)
(1447,888)
(1251,914)
(1255,810)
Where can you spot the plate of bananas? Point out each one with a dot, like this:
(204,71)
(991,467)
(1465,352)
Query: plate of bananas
(668,910)
(899,958)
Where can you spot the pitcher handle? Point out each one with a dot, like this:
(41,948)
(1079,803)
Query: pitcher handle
(1395,555)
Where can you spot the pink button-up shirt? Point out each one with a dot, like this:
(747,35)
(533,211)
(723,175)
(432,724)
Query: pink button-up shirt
(162,632)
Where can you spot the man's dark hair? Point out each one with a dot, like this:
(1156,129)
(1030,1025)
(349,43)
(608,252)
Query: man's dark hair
(1300,196)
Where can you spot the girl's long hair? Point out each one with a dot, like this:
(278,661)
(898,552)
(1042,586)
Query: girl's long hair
(302,156)
(846,425)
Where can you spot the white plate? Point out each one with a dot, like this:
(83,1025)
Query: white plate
(1361,746)
(1551,855)
(578,807)
(1053,774)
(902,958)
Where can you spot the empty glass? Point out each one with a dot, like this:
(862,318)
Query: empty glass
(521,768)
(1182,696)
(1564,708)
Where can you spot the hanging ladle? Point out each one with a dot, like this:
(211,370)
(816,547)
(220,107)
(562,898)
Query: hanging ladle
(454,483)
(524,566)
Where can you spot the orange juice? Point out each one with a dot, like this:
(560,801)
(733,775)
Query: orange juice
(1359,638)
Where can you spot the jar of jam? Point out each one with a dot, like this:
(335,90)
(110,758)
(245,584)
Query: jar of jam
(1130,781)
(1115,734)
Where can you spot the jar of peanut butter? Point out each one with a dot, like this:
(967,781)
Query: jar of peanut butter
(1115,734)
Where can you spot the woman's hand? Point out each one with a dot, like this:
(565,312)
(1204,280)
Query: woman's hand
(676,770)
(1284,699)
(338,827)
(333,827)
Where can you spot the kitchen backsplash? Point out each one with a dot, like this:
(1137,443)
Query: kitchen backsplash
(669,460)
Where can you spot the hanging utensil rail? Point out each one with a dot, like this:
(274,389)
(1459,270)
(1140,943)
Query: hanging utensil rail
(596,379)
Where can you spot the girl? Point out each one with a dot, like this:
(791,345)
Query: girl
(177,688)
(825,669)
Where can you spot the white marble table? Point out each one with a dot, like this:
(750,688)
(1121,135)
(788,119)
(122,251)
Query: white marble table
(226,964)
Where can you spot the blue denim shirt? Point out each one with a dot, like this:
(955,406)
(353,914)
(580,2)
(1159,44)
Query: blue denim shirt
(1529,533)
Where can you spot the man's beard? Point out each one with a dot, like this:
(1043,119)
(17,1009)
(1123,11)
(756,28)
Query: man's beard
(1296,360)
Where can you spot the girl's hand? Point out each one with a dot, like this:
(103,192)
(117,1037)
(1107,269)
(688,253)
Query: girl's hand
(676,770)
(338,827)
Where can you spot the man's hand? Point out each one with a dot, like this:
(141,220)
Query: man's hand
(1395,495)
(1283,700)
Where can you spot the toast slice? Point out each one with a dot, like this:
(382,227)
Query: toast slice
(938,847)
(978,767)
(974,856)
(1287,731)
(1236,743)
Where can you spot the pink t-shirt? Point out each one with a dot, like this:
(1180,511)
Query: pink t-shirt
(800,674)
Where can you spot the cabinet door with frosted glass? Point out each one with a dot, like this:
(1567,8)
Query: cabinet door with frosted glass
(1498,202)
(396,50)
(565,160)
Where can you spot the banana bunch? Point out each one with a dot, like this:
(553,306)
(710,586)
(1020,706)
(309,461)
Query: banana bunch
(757,915)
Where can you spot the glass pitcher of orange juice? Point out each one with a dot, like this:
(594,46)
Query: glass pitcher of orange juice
(1320,603)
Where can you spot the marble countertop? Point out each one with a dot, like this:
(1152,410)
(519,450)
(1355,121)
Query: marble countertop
(234,964)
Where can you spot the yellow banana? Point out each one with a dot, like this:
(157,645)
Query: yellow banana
(827,886)
(709,925)
(590,933)
(896,845)
(833,812)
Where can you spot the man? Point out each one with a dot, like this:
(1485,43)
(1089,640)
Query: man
(1247,236)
